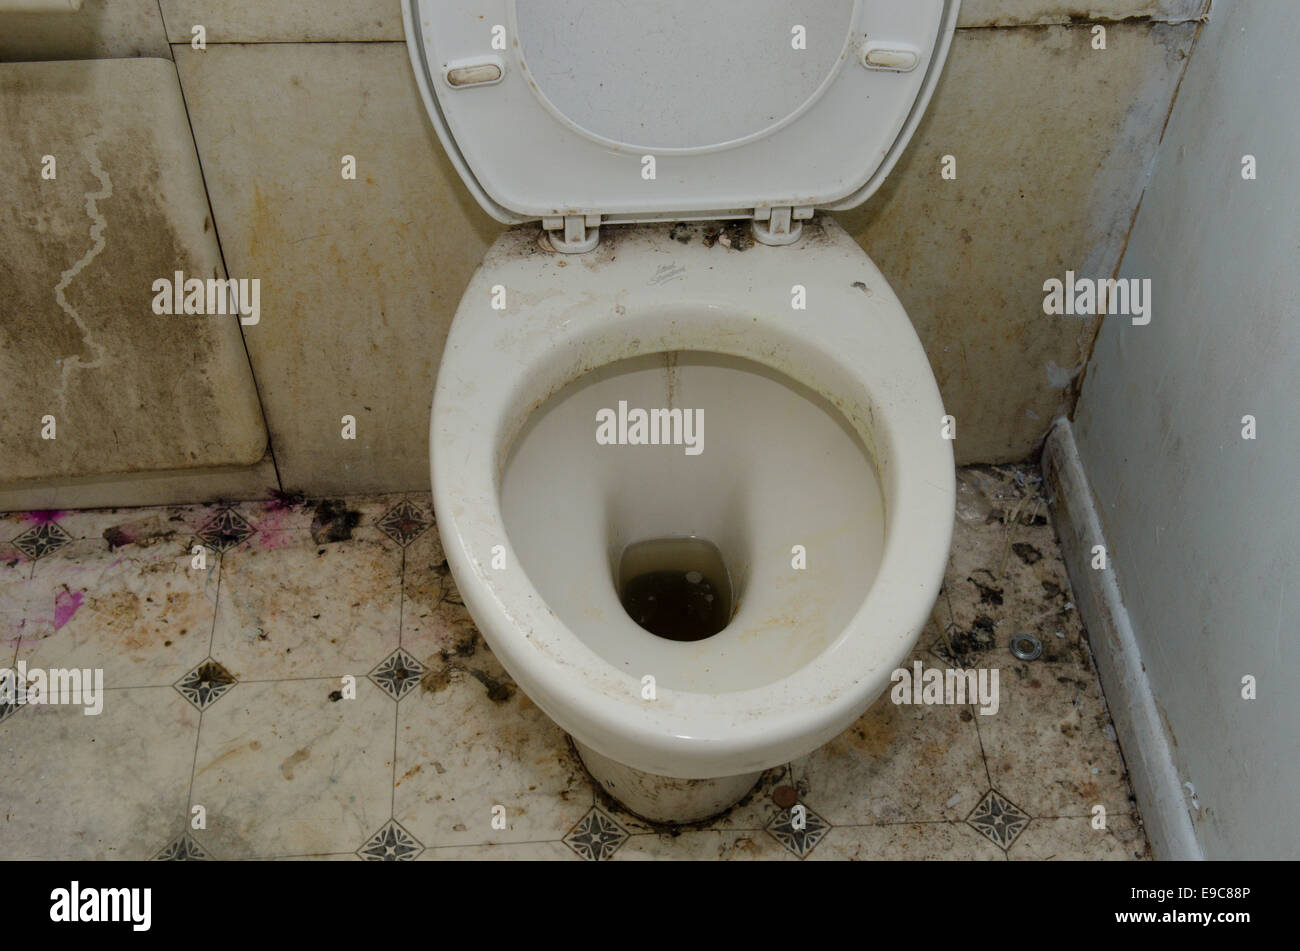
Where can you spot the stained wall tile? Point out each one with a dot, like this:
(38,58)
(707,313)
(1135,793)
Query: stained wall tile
(284,21)
(359,278)
(101,29)
(976,13)
(1052,141)
(131,391)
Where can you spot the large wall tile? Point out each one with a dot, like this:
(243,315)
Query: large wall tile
(1052,157)
(360,278)
(101,29)
(130,391)
(1023,12)
(284,21)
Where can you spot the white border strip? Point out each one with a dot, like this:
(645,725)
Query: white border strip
(1142,735)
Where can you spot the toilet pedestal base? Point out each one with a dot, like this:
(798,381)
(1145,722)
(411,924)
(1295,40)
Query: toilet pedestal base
(664,798)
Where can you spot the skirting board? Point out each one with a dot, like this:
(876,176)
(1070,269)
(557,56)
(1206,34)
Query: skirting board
(1142,736)
(132,490)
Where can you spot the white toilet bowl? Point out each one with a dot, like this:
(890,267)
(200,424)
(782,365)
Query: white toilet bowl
(819,465)
(821,430)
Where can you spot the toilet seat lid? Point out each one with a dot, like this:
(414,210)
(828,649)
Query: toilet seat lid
(670,109)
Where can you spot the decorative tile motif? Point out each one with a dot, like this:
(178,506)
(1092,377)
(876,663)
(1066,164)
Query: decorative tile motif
(404,523)
(398,674)
(183,849)
(42,539)
(392,843)
(225,530)
(799,841)
(998,819)
(596,836)
(205,684)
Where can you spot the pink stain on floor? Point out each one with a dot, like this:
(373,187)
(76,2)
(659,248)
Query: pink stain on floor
(66,604)
(272,539)
(43,518)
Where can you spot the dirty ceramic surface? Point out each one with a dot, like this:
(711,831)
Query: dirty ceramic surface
(434,735)
(123,207)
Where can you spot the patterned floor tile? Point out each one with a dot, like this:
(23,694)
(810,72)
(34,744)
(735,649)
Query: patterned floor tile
(1005,572)
(705,845)
(998,819)
(225,530)
(1051,747)
(405,522)
(141,614)
(289,768)
(596,837)
(183,849)
(434,619)
(398,674)
(468,741)
(799,830)
(897,763)
(15,589)
(306,593)
(206,684)
(392,843)
(296,608)
(911,842)
(110,786)
(502,852)
(42,539)
(1077,839)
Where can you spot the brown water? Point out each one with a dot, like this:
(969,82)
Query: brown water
(676,588)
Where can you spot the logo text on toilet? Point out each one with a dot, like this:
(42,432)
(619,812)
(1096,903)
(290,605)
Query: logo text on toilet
(934,685)
(651,427)
(214,296)
(1086,297)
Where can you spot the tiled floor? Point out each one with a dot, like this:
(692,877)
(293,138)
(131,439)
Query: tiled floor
(300,679)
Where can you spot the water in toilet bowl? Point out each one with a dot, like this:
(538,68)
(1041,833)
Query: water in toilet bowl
(676,588)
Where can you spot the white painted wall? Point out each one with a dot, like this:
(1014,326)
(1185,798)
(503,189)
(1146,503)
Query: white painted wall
(1203,526)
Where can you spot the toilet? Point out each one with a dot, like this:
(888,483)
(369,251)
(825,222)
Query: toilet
(679,362)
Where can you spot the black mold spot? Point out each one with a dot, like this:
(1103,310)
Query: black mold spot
(681,232)
(737,236)
(333,522)
(988,594)
(498,691)
(1027,552)
(116,538)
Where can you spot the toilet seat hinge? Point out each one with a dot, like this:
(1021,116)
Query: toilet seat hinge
(572,234)
(780,225)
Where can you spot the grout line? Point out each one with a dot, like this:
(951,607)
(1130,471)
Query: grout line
(397,712)
(401,596)
(216,606)
(983,754)
(162,18)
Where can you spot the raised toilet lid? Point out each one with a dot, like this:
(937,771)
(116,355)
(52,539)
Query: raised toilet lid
(554,108)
